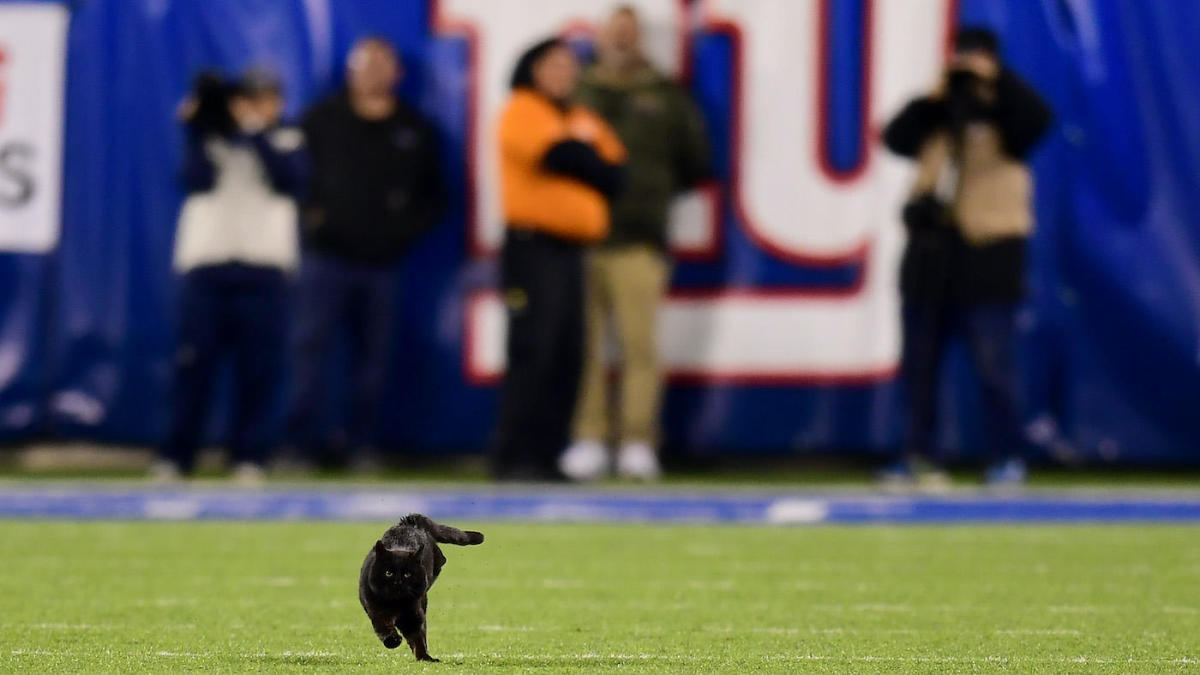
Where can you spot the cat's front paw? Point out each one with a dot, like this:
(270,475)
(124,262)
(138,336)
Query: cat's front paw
(428,658)
(392,641)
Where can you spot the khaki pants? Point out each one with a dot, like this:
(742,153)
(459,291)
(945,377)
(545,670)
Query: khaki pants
(624,289)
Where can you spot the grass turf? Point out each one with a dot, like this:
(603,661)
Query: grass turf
(268,597)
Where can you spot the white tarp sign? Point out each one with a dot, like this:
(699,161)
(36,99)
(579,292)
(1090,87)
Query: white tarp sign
(32,57)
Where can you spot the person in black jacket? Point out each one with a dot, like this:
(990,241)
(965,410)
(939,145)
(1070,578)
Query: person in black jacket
(968,219)
(375,190)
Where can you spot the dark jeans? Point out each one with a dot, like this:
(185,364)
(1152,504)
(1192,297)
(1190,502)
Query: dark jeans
(337,294)
(990,332)
(235,313)
(542,282)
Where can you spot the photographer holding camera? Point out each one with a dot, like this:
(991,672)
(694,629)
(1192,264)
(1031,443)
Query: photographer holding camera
(968,219)
(235,246)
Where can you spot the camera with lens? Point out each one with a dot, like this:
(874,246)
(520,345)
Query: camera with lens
(208,106)
(961,84)
(223,107)
(963,99)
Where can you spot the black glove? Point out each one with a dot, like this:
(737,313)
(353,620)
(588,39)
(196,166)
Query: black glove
(924,213)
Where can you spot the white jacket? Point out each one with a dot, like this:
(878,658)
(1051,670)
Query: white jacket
(241,220)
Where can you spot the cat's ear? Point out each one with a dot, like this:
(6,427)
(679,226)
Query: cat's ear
(380,549)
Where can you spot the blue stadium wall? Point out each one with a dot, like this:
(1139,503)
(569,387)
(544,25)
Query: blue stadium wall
(1112,328)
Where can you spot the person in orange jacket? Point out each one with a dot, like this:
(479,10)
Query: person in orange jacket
(560,166)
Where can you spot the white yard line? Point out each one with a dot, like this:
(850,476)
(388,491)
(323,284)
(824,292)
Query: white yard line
(676,658)
(1039,631)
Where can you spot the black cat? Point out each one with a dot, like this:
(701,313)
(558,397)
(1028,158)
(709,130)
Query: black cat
(398,573)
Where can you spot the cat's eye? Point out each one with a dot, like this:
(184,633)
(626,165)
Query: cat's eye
(387,573)
(407,575)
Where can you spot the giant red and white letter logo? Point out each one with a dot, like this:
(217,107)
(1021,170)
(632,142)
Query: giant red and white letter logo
(787,194)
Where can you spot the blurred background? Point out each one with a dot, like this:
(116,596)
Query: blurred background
(780,335)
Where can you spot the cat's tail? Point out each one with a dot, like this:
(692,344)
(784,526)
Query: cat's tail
(443,534)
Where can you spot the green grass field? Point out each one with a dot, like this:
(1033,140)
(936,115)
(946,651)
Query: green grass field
(272,597)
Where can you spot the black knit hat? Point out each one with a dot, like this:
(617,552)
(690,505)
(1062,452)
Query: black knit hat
(522,76)
(977,38)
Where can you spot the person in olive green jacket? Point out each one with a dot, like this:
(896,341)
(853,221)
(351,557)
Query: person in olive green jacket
(664,134)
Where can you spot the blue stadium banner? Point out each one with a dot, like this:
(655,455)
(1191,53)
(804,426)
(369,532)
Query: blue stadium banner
(780,332)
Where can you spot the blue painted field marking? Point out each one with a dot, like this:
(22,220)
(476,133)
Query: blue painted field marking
(378,504)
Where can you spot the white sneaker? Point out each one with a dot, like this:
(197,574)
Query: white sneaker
(248,474)
(638,461)
(585,460)
(165,472)
(935,481)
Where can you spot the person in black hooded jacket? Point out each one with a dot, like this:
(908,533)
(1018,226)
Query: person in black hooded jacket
(968,219)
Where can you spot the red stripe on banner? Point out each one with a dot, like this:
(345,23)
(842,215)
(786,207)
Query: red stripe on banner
(952,14)
(476,375)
